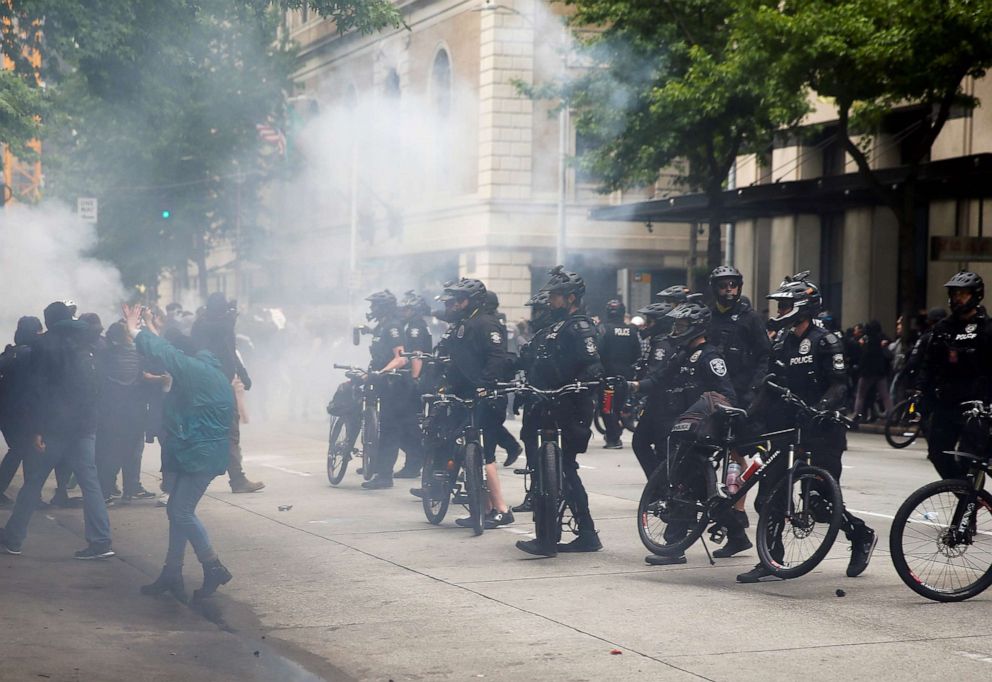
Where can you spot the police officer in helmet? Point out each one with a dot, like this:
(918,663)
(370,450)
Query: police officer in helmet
(809,361)
(739,332)
(619,349)
(477,348)
(700,384)
(956,367)
(570,354)
(386,349)
(653,379)
(417,338)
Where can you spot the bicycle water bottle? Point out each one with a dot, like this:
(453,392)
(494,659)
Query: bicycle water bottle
(733,477)
(755,464)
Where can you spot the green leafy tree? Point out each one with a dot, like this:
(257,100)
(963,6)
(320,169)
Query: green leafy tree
(675,90)
(871,56)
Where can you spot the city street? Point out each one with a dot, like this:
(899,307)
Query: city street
(348,584)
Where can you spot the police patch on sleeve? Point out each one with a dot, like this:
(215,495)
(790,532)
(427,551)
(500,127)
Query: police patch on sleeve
(805,346)
(590,345)
(838,361)
(394,332)
(495,337)
(414,333)
(659,353)
(719,367)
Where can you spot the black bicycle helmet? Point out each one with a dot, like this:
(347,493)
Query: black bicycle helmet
(472,289)
(965,280)
(656,316)
(412,300)
(673,294)
(615,310)
(723,273)
(801,296)
(491,302)
(690,320)
(381,304)
(564,283)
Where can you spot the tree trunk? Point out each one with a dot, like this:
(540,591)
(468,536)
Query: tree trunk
(906,216)
(714,246)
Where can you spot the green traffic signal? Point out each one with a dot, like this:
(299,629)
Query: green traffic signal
(166,215)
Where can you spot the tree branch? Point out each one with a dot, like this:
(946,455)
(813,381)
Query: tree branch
(864,167)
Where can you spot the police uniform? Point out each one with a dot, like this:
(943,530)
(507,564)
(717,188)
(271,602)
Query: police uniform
(416,338)
(956,367)
(619,350)
(812,366)
(654,377)
(739,333)
(569,353)
(394,396)
(479,359)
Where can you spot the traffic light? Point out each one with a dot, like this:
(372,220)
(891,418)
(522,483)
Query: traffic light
(166,214)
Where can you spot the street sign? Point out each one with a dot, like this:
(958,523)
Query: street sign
(86,209)
(962,249)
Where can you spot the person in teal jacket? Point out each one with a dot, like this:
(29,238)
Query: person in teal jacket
(198,412)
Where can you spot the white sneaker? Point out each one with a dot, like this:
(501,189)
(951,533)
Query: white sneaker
(163,500)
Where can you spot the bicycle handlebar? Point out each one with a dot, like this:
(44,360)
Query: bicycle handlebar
(574,387)
(791,398)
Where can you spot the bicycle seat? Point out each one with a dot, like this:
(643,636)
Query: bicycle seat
(732,411)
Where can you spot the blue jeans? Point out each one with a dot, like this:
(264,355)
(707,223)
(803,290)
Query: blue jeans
(78,453)
(187,489)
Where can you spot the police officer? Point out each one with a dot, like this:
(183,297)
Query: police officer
(477,348)
(386,349)
(956,366)
(416,339)
(619,349)
(739,332)
(700,383)
(809,361)
(654,376)
(569,354)
(540,321)
(504,439)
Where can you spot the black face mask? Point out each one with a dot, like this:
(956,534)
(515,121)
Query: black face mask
(557,314)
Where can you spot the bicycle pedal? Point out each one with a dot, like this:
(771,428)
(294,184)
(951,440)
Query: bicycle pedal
(718,536)
(460,498)
(521,472)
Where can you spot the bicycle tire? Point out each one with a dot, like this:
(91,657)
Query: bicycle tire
(598,422)
(337,450)
(655,514)
(437,492)
(630,419)
(902,428)
(928,532)
(546,496)
(808,510)
(474,487)
(370,443)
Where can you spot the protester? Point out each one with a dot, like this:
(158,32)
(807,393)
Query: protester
(14,389)
(875,368)
(197,418)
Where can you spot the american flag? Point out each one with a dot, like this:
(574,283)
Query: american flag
(272,135)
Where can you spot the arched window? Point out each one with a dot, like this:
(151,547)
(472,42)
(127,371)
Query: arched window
(441,83)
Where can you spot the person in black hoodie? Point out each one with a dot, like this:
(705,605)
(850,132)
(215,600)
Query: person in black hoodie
(14,403)
(63,422)
(213,330)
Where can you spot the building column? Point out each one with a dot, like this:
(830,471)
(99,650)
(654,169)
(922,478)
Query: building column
(857,267)
(506,272)
(506,115)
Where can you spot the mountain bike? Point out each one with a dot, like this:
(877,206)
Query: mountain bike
(799,521)
(546,484)
(364,420)
(941,537)
(905,424)
(451,423)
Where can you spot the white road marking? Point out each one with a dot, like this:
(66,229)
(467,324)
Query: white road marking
(583,466)
(974,656)
(868,513)
(516,531)
(284,469)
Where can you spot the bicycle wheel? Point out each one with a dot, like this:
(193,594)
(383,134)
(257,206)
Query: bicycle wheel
(630,416)
(597,420)
(474,486)
(338,452)
(370,443)
(436,484)
(791,544)
(669,519)
(546,496)
(902,426)
(930,554)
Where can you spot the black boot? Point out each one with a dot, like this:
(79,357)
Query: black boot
(214,575)
(170,581)
(587,541)
(527,505)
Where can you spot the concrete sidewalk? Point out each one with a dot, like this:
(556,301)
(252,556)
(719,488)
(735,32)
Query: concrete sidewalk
(65,619)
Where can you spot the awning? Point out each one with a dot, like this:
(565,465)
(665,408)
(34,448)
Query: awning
(963,177)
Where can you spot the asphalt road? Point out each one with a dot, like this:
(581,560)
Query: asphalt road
(352,584)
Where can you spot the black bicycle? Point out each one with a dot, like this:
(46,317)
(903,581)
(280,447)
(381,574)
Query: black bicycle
(614,398)
(450,426)
(363,418)
(941,537)
(798,522)
(905,423)
(546,483)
